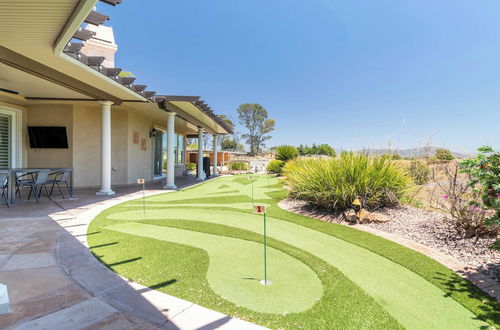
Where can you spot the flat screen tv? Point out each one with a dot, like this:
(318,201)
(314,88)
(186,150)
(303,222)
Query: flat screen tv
(48,137)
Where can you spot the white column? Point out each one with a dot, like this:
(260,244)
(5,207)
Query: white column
(170,151)
(106,150)
(215,155)
(201,173)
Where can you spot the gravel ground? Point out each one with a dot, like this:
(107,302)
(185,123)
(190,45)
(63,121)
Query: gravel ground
(429,228)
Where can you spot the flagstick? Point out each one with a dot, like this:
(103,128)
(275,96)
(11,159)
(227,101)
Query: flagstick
(143,198)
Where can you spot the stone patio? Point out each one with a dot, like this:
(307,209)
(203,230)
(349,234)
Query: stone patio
(54,281)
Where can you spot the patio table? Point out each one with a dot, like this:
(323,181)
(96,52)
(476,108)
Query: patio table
(12,178)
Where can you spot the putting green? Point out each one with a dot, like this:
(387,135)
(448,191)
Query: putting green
(236,268)
(413,301)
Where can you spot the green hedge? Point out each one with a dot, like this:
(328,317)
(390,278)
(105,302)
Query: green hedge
(239,166)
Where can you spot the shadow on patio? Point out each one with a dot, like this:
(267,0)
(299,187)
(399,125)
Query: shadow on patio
(54,281)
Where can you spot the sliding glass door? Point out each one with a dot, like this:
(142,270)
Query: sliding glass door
(5,141)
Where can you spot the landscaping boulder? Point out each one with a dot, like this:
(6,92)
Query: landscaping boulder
(350,216)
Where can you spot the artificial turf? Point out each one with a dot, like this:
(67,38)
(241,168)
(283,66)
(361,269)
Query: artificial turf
(393,286)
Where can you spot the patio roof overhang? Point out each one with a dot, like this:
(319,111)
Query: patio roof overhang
(28,30)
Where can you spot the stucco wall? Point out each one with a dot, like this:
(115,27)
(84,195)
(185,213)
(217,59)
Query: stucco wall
(140,162)
(119,148)
(51,115)
(87,146)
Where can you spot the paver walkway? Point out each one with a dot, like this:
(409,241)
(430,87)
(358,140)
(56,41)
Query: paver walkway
(54,282)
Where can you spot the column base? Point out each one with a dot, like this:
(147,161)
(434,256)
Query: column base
(105,193)
(170,187)
(200,179)
(4,300)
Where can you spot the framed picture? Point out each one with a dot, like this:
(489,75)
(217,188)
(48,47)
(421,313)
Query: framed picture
(135,137)
(144,144)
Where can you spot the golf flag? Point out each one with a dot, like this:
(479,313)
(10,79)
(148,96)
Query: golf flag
(259,209)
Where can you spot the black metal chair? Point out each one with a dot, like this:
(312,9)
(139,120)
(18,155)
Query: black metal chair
(4,187)
(24,179)
(60,177)
(36,185)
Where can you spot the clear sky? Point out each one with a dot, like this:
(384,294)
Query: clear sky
(350,73)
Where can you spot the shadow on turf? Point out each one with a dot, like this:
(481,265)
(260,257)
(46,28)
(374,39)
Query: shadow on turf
(490,309)
(251,278)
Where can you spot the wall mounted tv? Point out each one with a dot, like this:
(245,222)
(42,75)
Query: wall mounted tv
(48,137)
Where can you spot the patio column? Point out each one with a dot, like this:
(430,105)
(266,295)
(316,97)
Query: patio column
(215,155)
(106,150)
(170,151)
(201,173)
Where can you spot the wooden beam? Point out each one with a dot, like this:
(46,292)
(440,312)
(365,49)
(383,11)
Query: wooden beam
(180,98)
(83,34)
(96,18)
(166,106)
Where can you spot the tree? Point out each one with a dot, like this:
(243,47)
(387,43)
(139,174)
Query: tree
(325,149)
(322,149)
(254,118)
(444,154)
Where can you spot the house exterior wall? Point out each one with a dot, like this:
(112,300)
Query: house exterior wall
(140,162)
(87,146)
(83,125)
(50,115)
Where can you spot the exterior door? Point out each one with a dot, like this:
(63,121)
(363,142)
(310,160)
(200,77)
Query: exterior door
(158,153)
(5,141)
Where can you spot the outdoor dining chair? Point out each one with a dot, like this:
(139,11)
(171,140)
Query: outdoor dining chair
(24,179)
(4,186)
(60,177)
(36,185)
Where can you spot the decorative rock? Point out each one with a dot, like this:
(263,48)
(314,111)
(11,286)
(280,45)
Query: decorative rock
(4,300)
(364,216)
(378,217)
(350,216)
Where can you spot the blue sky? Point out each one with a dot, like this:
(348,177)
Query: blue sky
(352,74)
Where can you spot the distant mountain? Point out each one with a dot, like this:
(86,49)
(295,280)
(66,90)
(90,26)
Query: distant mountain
(428,151)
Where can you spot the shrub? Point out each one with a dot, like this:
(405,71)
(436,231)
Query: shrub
(419,172)
(456,197)
(484,172)
(286,153)
(275,166)
(239,166)
(396,156)
(334,183)
(443,154)
(191,166)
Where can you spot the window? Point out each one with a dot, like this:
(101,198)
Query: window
(5,141)
(179,149)
(180,154)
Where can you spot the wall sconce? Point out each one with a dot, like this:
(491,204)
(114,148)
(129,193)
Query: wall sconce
(153,132)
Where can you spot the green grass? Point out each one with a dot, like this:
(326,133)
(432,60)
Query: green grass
(387,285)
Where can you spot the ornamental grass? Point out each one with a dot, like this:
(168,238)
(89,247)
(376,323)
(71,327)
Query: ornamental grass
(334,183)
